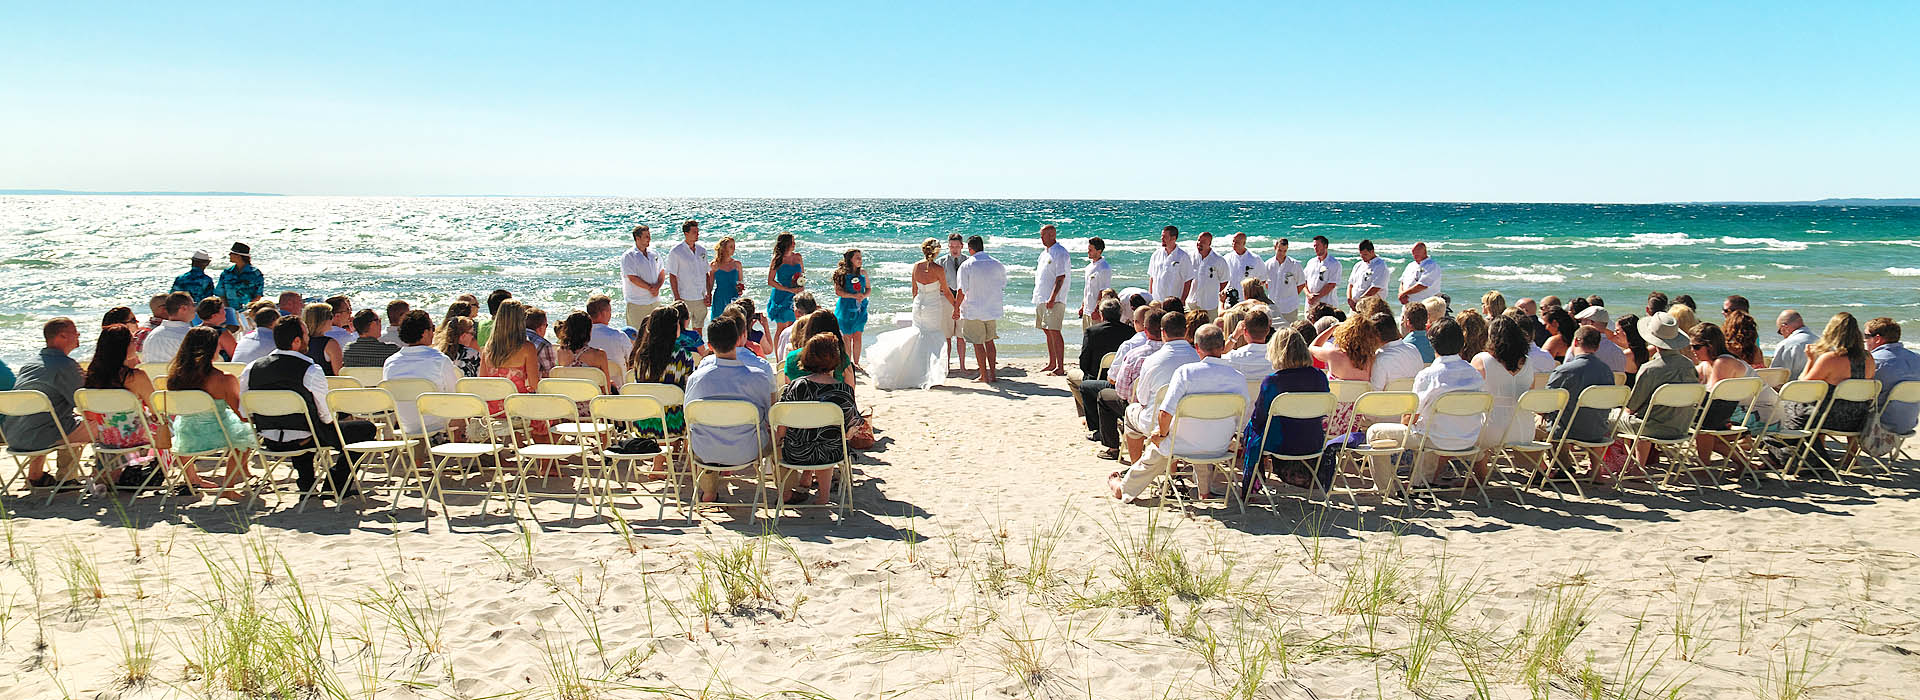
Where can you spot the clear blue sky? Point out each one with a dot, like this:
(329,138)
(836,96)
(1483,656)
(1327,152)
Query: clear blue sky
(1379,101)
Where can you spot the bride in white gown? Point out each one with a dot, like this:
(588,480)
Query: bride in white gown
(915,357)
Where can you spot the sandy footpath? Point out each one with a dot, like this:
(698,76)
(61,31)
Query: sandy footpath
(982,561)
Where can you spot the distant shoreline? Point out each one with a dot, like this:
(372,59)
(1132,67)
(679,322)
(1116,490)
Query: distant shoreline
(1828,202)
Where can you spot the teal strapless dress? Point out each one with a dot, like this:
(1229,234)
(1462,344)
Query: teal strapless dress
(724,284)
(852,313)
(780,304)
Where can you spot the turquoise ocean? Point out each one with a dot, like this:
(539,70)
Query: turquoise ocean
(80,255)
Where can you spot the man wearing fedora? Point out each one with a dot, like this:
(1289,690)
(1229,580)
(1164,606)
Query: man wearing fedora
(1670,366)
(242,283)
(196,281)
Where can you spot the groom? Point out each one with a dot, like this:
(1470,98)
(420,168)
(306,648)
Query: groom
(982,292)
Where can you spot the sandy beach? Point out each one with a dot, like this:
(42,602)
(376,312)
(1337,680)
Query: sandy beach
(982,561)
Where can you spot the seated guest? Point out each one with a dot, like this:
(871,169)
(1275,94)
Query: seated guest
(730,379)
(1560,328)
(1414,318)
(53,372)
(1449,373)
(419,360)
(1251,356)
(116,366)
(821,322)
(1580,371)
(1683,316)
(156,314)
(341,327)
(1108,335)
(1840,355)
(1610,353)
(1209,374)
(1492,304)
(575,333)
(1507,364)
(327,353)
(537,334)
(1542,362)
(1794,339)
(815,446)
(459,342)
(608,339)
(1293,373)
(257,343)
(396,312)
(1396,359)
(193,370)
(290,369)
(164,340)
(290,304)
(1656,302)
(659,359)
(1474,330)
(1669,366)
(1111,403)
(367,350)
(1158,370)
(1893,363)
(803,304)
(1636,347)
(509,356)
(494,300)
(211,312)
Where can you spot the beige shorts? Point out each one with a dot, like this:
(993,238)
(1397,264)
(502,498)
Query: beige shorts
(979,332)
(1049,318)
(638,312)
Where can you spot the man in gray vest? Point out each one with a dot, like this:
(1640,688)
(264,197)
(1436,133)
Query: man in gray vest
(956,255)
(289,369)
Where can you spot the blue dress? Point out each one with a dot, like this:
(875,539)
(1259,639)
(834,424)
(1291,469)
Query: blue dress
(780,304)
(724,286)
(852,313)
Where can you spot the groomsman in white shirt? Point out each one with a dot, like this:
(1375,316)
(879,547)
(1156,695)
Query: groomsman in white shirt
(1421,279)
(983,289)
(1210,273)
(1285,282)
(1050,290)
(1099,276)
(1243,264)
(1323,274)
(1170,271)
(690,275)
(1369,276)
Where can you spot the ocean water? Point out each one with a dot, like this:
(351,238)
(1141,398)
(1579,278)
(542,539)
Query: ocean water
(80,255)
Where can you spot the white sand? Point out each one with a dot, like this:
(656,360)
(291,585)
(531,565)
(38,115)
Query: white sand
(932,589)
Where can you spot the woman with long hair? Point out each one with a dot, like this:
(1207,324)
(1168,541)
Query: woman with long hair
(660,359)
(1560,327)
(1743,338)
(850,284)
(459,341)
(1509,372)
(821,322)
(116,366)
(1348,357)
(320,348)
(1840,354)
(1473,331)
(727,281)
(1637,350)
(509,355)
(784,275)
(575,332)
(193,369)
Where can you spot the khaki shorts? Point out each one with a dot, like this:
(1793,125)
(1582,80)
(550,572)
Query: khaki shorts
(1049,318)
(638,312)
(979,332)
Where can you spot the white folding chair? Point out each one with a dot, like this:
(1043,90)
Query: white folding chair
(470,456)
(812,415)
(1106,363)
(1203,407)
(1677,450)
(1853,390)
(670,397)
(591,374)
(1540,380)
(721,414)
(111,402)
(580,428)
(189,405)
(1455,404)
(1379,406)
(1401,384)
(1775,377)
(1792,442)
(338,382)
(1534,403)
(21,403)
(1317,406)
(1743,392)
(1347,391)
(615,415)
(1607,399)
(281,403)
(390,449)
(367,376)
(155,369)
(406,393)
(524,410)
(233,368)
(1904,392)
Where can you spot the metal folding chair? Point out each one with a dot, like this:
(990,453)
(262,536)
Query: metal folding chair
(812,415)
(721,413)
(188,404)
(1297,406)
(21,403)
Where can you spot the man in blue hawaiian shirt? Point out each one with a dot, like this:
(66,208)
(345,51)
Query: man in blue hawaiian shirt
(242,283)
(196,281)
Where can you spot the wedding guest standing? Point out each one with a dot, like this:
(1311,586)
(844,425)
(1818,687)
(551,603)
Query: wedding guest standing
(1421,278)
(1369,276)
(1098,277)
(1170,271)
(1285,280)
(691,274)
(983,287)
(242,283)
(1323,274)
(641,277)
(1049,289)
(196,281)
(785,274)
(850,284)
(1210,272)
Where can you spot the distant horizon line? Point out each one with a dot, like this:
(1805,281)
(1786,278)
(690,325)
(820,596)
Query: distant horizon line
(1828,201)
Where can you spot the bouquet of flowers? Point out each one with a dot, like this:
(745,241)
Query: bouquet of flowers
(800,279)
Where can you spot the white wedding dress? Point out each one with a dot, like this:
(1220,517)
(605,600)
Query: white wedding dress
(915,357)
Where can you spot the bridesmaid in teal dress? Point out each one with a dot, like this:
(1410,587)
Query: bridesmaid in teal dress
(784,276)
(726,276)
(850,284)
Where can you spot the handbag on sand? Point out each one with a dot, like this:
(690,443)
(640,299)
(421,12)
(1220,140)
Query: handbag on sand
(861,436)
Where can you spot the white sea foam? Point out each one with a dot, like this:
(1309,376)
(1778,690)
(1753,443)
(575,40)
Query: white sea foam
(1770,243)
(1535,278)
(1787,267)
(1336,226)
(1524,239)
(1648,276)
(1815,230)
(1753,277)
(1904,271)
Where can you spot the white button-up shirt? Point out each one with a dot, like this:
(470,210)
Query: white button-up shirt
(253,345)
(1396,360)
(1251,360)
(1367,274)
(730,379)
(1127,362)
(1792,353)
(343,336)
(638,263)
(1542,360)
(1446,375)
(1158,369)
(1284,277)
(1208,274)
(1241,266)
(689,264)
(615,343)
(163,343)
(1212,375)
(1425,272)
(1168,272)
(1098,276)
(1611,355)
(314,381)
(1055,265)
(420,362)
(1320,273)
(983,282)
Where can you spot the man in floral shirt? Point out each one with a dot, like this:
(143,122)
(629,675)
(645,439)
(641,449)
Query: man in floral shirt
(242,283)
